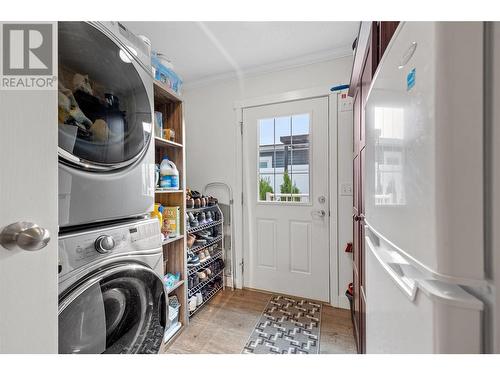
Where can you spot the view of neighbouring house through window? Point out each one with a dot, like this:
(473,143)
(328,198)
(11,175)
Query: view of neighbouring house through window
(284,145)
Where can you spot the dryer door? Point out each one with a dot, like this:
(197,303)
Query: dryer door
(119,310)
(104,110)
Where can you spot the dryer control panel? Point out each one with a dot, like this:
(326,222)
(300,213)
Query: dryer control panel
(84,248)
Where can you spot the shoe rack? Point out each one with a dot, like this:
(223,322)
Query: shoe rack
(170,105)
(214,246)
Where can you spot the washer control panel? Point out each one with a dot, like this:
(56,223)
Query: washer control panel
(85,247)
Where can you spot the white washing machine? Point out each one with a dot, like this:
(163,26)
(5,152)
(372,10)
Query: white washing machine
(105,117)
(111,293)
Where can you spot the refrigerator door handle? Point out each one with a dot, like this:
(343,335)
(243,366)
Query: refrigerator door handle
(408,286)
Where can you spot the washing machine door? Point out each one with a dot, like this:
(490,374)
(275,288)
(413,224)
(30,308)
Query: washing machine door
(104,109)
(119,310)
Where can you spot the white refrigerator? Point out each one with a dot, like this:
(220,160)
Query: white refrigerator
(429,195)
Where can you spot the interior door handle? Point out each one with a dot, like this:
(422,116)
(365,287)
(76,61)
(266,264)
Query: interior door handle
(318,213)
(24,235)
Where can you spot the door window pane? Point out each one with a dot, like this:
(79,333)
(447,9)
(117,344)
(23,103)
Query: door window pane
(284,154)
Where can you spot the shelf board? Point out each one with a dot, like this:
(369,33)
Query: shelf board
(171,333)
(178,284)
(165,93)
(166,143)
(159,191)
(170,240)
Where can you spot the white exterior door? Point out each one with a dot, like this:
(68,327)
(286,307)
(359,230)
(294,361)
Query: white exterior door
(28,193)
(286,208)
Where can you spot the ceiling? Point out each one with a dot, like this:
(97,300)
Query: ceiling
(202,51)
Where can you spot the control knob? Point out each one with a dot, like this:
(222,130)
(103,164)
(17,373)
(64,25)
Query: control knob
(104,244)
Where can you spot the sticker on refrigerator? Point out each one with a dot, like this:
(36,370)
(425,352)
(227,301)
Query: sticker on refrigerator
(410,80)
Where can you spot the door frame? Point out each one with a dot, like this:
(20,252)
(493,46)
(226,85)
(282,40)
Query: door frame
(289,96)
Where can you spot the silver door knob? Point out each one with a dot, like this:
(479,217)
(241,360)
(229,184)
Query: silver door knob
(318,213)
(104,244)
(24,235)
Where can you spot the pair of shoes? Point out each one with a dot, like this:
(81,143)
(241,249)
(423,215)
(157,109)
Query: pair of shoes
(218,265)
(202,275)
(204,255)
(193,221)
(202,218)
(200,242)
(193,303)
(190,240)
(207,253)
(192,259)
(206,235)
(193,281)
(212,250)
(199,299)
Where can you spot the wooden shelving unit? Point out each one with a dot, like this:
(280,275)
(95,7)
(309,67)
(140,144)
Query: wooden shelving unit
(170,105)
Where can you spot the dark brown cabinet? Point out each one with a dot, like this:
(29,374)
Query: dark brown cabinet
(372,41)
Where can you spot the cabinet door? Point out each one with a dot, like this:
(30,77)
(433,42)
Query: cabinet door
(28,194)
(355,211)
(366,79)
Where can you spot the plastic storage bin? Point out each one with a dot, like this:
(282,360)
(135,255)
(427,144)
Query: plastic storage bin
(165,74)
(173,310)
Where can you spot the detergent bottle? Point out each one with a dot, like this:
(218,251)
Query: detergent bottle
(156,213)
(169,175)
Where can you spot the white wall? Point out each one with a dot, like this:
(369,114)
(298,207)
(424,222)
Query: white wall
(344,199)
(211,122)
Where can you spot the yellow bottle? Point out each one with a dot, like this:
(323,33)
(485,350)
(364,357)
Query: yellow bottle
(156,213)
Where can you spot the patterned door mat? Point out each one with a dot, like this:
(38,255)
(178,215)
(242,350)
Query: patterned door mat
(287,326)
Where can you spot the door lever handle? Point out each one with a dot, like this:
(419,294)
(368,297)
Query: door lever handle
(24,235)
(318,213)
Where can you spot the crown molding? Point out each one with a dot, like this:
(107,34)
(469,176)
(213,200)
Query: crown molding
(272,67)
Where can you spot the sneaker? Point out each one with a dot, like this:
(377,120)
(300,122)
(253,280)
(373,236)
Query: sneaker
(205,235)
(202,257)
(190,240)
(192,259)
(209,217)
(208,272)
(199,298)
(193,222)
(202,218)
(207,254)
(197,203)
(201,275)
(200,242)
(192,304)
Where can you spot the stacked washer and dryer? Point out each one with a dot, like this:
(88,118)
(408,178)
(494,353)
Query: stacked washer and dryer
(111,293)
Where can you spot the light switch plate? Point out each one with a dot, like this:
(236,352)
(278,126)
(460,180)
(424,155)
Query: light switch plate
(346,104)
(346,188)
